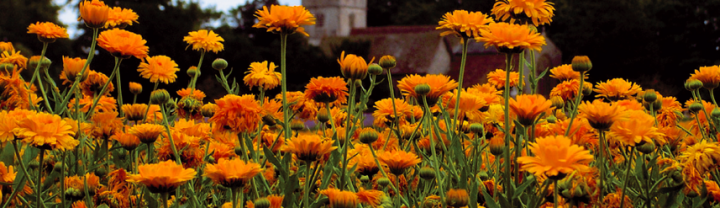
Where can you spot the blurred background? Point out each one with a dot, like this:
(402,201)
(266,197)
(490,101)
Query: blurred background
(656,43)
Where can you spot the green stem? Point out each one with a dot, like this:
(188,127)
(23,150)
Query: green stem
(506,96)
(555,195)
(226,86)
(396,120)
(39,183)
(460,84)
(40,84)
(283,85)
(164,197)
(234,193)
(578,98)
(62,180)
(147,110)
(102,91)
(712,97)
(382,171)
(628,161)
(601,159)
(172,142)
(79,75)
(119,94)
(306,197)
(349,128)
(193,82)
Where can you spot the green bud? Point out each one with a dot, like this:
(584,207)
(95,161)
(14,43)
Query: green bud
(383,181)
(375,69)
(387,61)
(581,64)
(262,203)
(219,64)
(427,173)
(422,89)
(696,107)
(160,96)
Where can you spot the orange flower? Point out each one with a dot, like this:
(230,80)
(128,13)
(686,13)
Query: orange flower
(372,198)
(539,12)
(6,46)
(309,147)
(46,131)
(262,75)
(511,38)
(238,113)
(13,57)
(126,140)
(47,31)
(327,90)
(384,114)
(158,69)
(528,107)
(497,78)
(555,156)
(120,17)
(7,174)
(568,89)
(616,89)
(601,115)
(105,124)
(204,40)
(284,19)
(439,85)
(637,128)
(95,13)
(693,180)
(71,68)
(123,44)
(232,173)
(147,133)
(306,108)
(708,75)
(464,24)
(104,104)
(469,107)
(565,72)
(713,190)
(95,82)
(339,198)
(134,112)
(703,156)
(457,197)
(364,161)
(353,66)
(197,94)
(398,160)
(8,123)
(162,177)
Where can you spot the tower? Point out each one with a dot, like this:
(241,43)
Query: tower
(335,17)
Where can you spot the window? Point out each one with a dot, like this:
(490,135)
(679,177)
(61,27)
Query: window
(352,20)
(319,20)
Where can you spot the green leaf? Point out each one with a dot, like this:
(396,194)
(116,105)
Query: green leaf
(292,184)
(151,202)
(8,154)
(271,157)
(474,192)
(523,186)
(489,201)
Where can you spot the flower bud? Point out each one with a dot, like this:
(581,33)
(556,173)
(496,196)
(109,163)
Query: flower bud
(34,60)
(427,173)
(219,64)
(457,198)
(100,172)
(58,167)
(192,72)
(477,128)
(497,146)
(387,62)
(375,69)
(693,85)
(715,113)
(159,97)
(581,64)
(239,150)
(422,89)
(269,120)
(695,107)
(383,181)
(364,179)
(551,119)
(647,148)
(650,96)
(368,135)
(135,88)
(208,110)
(262,203)
(6,67)
(297,125)
(323,115)
(557,102)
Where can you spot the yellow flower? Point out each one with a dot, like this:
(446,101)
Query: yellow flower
(46,131)
(122,43)
(511,38)
(47,31)
(71,68)
(555,156)
(539,12)
(120,17)
(353,66)
(95,13)
(529,107)
(464,24)
(262,75)
(204,40)
(158,69)
(616,89)
(232,173)
(704,156)
(284,19)
(13,57)
(162,177)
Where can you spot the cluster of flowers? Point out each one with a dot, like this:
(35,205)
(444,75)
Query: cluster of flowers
(439,144)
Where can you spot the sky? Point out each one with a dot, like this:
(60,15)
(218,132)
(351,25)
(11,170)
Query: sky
(69,14)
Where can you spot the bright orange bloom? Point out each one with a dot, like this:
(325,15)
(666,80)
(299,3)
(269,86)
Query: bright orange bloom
(638,127)
(104,104)
(616,89)
(47,30)
(204,40)
(703,156)
(511,38)
(353,66)
(162,177)
(330,90)
(122,43)
(134,112)
(6,46)
(528,107)
(306,108)
(384,114)
(713,190)
(135,88)
(397,161)
(232,173)
(79,204)
(601,115)
(14,57)
(708,75)
(7,174)
(539,12)
(462,23)
(126,140)
(372,198)
(262,75)
(46,131)
(71,68)
(95,13)
(555,156)
(284,19)
(309,147)
(693,180)
(439,85)
(8,123)
(197,94)
(497,78)
(121,17)
(457,198)
(105,124)
(339,198)
(568,89)
(95,82)
(239,113)
(565,72)
(147,133)
(469,107)
(158,69)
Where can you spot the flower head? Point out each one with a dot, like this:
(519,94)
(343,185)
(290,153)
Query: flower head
(457,197)
(158,69)
(564,72)
(616,89)
(309,147)
(439,85)
(262,75)
(122,43)
(497,78)
(232,173)
(147,133)
(370,197)
(327,89)
(14,57)
(568,89)
(46,131)
(126,140)
(385,113)
(120,17)
(47,31)
(95,13)
(197,94)
(71,68)
(708,75)
(704,156)
(398,160)
(639,127)
(353,66)
(511,38)
(462,23)
(555,156)
(94,84)
(601,115)
(285,19)
(239,113)
(162,177)
(205,40)
(539,12)
(340,199)
(528,107)
(6,46)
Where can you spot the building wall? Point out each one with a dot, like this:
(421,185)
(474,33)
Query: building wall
(335,18)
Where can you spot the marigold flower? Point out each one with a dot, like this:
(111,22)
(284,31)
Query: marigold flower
(6,46)
(601,115)
(46,131)
(637,128)
(457,197)
(162,177)
(464,24)
(612,200)
(439,85)
(565,72)
(713,189)
(469,107)
(555,156)
(232,173)
(511,38)
(95,82)
(497,78)
(568,89)
(309,147)
(205,40)
(398,160)
(616,89)
(385,113)
(539,12)
(134,112)
(703,156)
(693,180)
(95,13)
(372,198)
(71,68)
(197,94)
(528,107)
(158,69)
(7,174)
(120,17)
(238,113)
(306,108)
(327,90)
(123,44)
(104,104)
(8,123)
(340,199)
(284,19)
(262,75)
(126,140)
(147,133)
(14,57)
(708,75)
(105,124)
(353,66)
(47,31)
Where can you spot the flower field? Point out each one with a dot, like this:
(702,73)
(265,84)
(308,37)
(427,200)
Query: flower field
(71,140)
